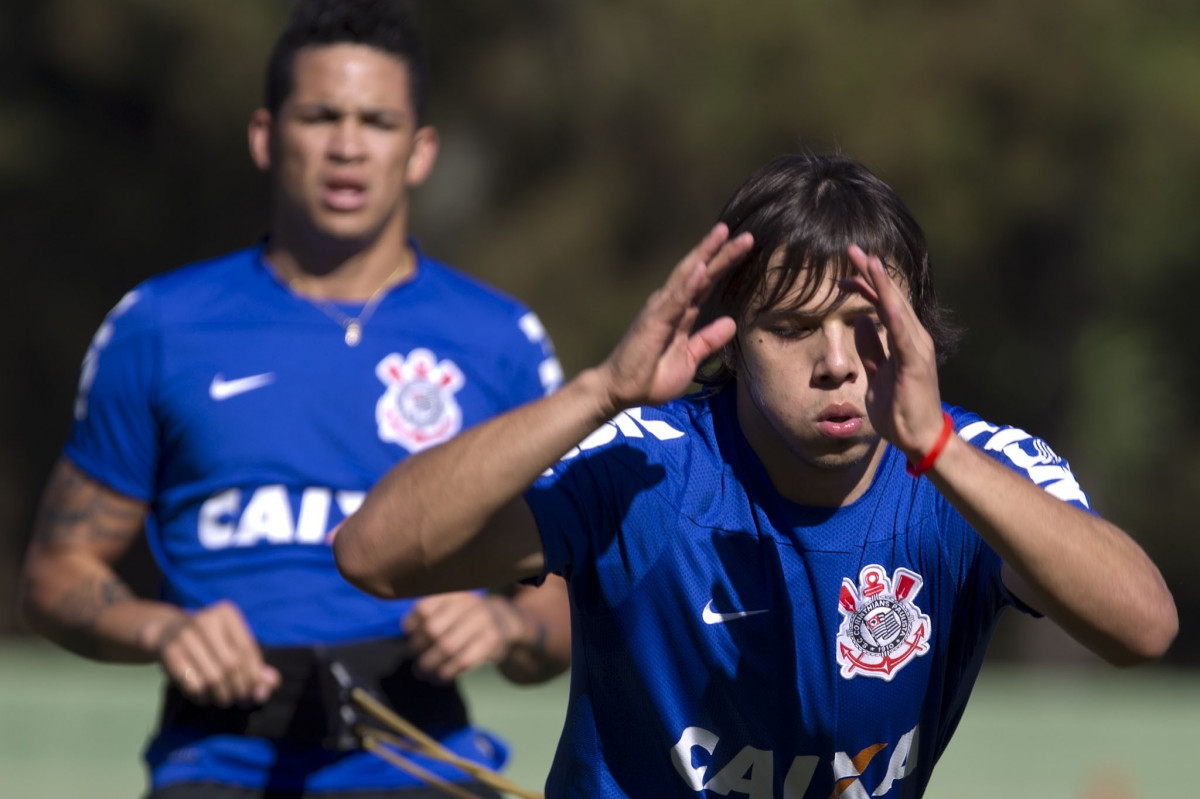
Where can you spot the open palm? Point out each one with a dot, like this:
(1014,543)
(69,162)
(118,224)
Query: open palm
(658,356)
(903,400)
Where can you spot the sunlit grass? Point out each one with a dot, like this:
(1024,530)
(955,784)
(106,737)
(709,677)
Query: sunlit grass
(73,728)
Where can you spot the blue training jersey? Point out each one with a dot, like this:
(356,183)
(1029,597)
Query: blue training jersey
(235,408)
(727,642)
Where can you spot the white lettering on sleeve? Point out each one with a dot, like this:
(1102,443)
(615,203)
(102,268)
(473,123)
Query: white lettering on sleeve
(1067,490)
(1047,474)
(550,373)
(91,359)
(597,438)
(655,427)
(532,327)
(1005,437)
(1043,466)
(629,424)
(975,428)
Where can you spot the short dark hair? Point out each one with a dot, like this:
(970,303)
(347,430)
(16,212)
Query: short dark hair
(811,208)
(382,24)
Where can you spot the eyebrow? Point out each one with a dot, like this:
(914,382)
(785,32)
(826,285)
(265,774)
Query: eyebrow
(856,309)
(334,108)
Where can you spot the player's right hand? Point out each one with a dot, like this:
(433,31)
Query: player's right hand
(214,658)
(658,357)
(903,399)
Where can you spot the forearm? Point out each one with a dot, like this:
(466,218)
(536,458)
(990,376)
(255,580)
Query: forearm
(431,508)
(542,647)
(421,530)
(84,607)
(1081,571)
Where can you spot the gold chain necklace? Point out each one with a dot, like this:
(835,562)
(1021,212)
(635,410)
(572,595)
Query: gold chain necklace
(353,325)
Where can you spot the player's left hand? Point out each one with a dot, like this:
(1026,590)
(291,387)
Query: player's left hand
(452,633)
(903,400)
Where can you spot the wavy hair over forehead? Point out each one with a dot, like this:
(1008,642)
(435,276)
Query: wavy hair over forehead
(805,211)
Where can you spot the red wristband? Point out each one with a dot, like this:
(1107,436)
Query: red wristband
(926,463)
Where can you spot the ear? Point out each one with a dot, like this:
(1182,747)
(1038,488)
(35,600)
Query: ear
(258,135)
(731,354)
(424,154)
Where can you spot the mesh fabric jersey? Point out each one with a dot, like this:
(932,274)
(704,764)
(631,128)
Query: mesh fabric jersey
(727,642)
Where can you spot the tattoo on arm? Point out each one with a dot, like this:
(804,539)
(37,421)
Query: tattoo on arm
(80,609)
(498,619)
(82,528)
(537,647)
(76,509)
(539,644)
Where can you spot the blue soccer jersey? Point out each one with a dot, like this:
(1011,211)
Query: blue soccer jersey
(237,410)
(727,642)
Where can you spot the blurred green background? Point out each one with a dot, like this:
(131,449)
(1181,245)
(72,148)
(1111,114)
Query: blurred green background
(1050,150)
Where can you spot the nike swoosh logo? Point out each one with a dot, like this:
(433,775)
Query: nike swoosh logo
(710,616)
(222,389)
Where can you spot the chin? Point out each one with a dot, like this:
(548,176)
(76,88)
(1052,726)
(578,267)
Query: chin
(846,457)
(347,231)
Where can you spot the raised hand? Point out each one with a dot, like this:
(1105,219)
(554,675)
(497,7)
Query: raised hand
(903,400)
(214,658)
(658,357)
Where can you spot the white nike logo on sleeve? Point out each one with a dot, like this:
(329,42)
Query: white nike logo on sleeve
(710,616)
(222,389)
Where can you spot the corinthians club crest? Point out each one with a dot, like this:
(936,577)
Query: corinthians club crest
(882,628)
(418,409)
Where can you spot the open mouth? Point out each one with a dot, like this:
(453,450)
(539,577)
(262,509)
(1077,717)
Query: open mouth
(343,194)
(840,421)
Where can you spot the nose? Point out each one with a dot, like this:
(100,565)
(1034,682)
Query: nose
(837,360)
(346,142)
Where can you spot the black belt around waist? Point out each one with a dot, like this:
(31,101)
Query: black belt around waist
(312,704)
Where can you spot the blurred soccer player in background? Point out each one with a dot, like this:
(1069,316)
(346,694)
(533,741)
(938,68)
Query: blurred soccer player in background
(782,586)
(240,408)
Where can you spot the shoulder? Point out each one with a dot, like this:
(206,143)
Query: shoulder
(201,285)
(986,435)
(134,326)
(1021,451)
(203,281)
(494,323)
(651,437)
(471,293)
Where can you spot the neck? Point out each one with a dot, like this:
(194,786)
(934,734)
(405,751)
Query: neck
(816,486)
(323,267)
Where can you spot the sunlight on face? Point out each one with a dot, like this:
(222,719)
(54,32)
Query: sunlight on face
(346,147)
(802,392)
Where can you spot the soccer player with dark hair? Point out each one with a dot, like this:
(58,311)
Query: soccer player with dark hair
(783,585)
(240,408)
